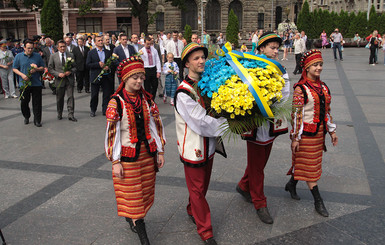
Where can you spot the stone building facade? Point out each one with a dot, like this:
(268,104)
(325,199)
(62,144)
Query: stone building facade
(347,5)
(252,14)
(115,15)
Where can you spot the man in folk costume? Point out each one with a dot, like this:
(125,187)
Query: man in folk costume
(260,141)
(134,144)
(197,135)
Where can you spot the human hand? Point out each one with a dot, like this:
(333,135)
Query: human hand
(160,161)
(101,64)
(61,75)
(67,73)
(24,77)
(117,169)
(334,138)
(294,146)
(106,68)
(158,75)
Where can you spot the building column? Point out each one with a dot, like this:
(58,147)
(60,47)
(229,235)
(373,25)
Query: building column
(66,24)
(38,22)
(111,3)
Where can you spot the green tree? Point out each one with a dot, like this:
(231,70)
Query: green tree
(232,29)
(304,18)
(381,19)
(373,20)
(187,33)
(51,19)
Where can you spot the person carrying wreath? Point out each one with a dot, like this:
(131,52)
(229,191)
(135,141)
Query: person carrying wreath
(260,141)
(197,135)
(134,143)
(311,120)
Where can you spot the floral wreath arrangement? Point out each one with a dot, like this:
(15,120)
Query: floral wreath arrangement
(244,88)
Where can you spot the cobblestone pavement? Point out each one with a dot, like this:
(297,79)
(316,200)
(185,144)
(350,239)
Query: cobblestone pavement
(56,187)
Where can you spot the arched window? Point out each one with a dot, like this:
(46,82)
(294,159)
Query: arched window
(278,16)
(190,15)
(236,6)
(213,15)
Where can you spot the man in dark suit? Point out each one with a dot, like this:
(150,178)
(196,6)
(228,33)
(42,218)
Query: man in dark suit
(82,73)
(124,50)
(95,63)
(64,80)
(69,45)
(49,49)
(135,42)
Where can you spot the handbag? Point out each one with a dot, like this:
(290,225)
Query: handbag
(367,45)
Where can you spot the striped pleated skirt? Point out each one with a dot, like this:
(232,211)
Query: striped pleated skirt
(307,162)
(135,192)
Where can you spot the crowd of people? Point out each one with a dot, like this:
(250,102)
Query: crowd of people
(135,137)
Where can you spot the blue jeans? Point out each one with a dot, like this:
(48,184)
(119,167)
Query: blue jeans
(337,46)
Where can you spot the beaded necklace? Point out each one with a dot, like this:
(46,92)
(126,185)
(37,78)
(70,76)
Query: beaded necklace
(135,100)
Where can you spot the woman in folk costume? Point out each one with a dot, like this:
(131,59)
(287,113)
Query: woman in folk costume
(311,121)
(134,144)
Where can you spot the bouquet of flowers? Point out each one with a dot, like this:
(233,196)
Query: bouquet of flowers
(107,64)
(26,83)
(67,67)
(47,76)
(171,67)
(244,88)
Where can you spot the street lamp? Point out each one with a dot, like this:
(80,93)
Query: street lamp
(202,19)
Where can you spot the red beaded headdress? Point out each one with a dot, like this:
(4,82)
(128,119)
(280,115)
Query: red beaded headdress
(311,57)
(130,66)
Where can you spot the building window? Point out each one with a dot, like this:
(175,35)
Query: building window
(261,20)
(278,16)
(13,29)
(236,6)
(190,15)
(89,25)
(213,15)
(123,4)
(160,21)
(124,24)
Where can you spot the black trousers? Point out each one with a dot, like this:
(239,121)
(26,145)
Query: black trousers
(298,68)
(151,82)
(107,87)
(178,61)
(83,80)
(372,57)
(35,93)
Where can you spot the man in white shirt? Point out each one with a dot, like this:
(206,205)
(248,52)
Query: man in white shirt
(152,67)
(175,46)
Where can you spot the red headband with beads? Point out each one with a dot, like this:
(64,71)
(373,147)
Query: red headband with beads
(311,57)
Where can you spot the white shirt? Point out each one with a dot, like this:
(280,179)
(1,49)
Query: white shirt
(172,46)
(197,119)
(125,49)
(155,59)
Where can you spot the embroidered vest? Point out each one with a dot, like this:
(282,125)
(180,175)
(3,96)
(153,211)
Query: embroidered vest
(129,132)
(193,148)
(316,109)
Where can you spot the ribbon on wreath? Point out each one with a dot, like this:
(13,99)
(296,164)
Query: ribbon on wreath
(232,57)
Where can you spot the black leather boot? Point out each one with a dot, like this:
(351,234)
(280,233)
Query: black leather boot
(132,226)
(141,230)
(291,187)
(318,202)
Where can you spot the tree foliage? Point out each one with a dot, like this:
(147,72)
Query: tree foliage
(29,4)
(232,29)
(313,23)
(187,33)
(51,19)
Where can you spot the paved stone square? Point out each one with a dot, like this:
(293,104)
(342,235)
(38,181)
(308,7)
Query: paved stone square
(56,186)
